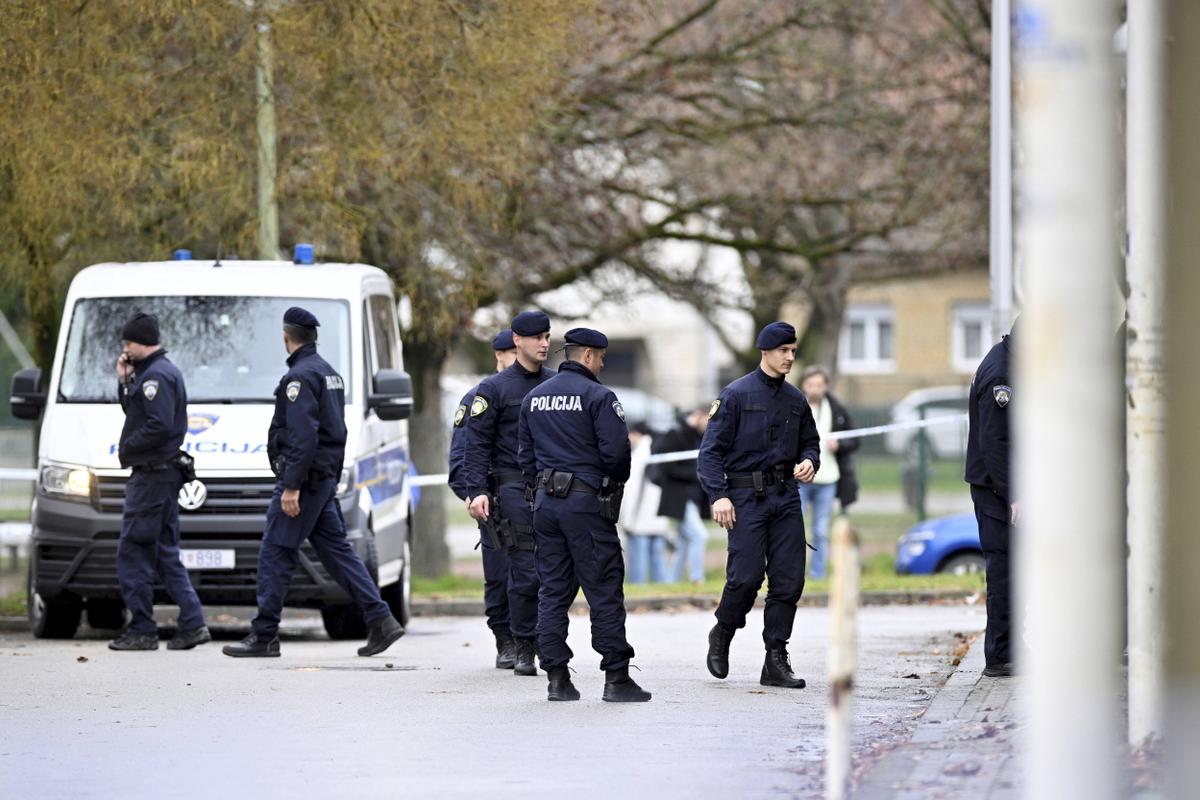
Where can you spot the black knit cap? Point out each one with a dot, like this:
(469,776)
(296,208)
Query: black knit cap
(142,329)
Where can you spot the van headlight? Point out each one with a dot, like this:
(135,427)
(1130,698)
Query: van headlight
(346,486)
(67,481)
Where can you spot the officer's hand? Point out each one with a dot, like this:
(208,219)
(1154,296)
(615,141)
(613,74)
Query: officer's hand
(1016,513)
(290,501)
(723,513)
(805,471)
(479,508)
(124,368)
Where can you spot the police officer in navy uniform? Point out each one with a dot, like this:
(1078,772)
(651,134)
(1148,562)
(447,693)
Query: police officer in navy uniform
(306,444)
(490,473)
(761,438)
(573,438)
(988,468)
(495,559)
(154,398)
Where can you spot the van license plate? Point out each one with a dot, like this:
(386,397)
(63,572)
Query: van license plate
(207,559)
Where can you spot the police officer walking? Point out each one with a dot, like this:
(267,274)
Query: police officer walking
(988,471)
(494,483)
(307,446)
(495,558)
(761,437)
(574,439)
(154,398)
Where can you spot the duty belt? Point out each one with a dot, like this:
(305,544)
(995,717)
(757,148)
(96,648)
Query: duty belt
(779,476)
(573,484)
(503,477)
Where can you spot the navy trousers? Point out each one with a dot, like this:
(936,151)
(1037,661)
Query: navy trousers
(522,566)
(495,584)
(576,548)
(321,523)
(992,514)
(767,539)
(148,551)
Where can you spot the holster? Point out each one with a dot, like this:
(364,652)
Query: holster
(610,497)
(186,465)
(279,465)
(560,484)
(759,483)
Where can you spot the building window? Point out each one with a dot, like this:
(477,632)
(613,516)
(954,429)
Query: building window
(972,335)
(868,343)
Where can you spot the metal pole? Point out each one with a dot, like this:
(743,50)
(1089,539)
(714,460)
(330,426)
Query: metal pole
(268,210)
(922,467)
(1067,398)
(1146,210)
(1000,231)
(843,612)
(1182,557)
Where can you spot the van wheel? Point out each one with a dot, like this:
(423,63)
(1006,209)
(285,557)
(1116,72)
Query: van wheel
(398,595)
(963,564)
(56,618)
(344,621)
(105,613)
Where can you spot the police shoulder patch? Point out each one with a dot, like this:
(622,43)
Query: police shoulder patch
(292,390)
(150,389)
(460,415)
(617,407)
(1002,394)
(712,410)
(478,406)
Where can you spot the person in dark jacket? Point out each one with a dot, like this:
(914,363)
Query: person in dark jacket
(154,399)
(988,470)
(838,478)
(683,499)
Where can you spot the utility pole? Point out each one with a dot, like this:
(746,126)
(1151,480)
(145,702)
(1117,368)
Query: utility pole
(1067,397)
(1000,245)
(1146,193)
(264,80)
(1182,556)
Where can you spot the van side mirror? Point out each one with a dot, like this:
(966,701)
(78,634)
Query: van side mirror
(391,394)
(28,397)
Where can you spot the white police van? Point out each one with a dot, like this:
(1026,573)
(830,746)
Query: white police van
(221,324)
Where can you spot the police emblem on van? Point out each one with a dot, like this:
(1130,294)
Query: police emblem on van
(199,423)
(293,390)
(150,389)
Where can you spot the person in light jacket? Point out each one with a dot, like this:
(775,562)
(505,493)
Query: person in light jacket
(646,530)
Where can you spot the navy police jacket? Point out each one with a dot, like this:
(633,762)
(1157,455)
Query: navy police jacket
(309,426)
(458,445)
(491,431)
(573,423)
(755,424)
(155,404)
(987,464)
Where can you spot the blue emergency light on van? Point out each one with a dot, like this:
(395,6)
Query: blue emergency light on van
(303,254)
(181,255)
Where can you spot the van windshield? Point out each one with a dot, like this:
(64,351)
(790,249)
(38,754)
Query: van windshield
(230,349)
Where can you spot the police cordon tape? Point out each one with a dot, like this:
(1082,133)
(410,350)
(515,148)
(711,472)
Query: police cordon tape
(440,479)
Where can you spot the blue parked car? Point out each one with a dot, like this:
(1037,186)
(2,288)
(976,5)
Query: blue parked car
(945,544)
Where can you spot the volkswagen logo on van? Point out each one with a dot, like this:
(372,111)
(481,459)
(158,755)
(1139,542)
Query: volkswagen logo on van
(192,495)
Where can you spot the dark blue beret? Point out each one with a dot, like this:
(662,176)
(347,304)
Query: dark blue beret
(299,316)
(586,337)
(503,340)
(530,323)
(775,335)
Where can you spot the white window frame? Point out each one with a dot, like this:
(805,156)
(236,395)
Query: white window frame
(872,364)
(964,313)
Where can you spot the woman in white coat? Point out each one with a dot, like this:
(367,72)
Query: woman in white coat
(647,532)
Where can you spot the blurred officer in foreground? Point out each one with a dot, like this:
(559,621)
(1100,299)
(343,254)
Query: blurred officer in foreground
(491,475)
(987,470)
(154,399)
(761,438)
(495,558)
(307,446)
(574,439)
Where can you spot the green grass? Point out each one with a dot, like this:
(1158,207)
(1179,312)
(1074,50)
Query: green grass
(13,605)
(14,514)
(882,474)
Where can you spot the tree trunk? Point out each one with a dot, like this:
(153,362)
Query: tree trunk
(427,433)
(818,343)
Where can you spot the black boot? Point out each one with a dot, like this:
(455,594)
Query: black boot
(777,671)
(134,641)
(718,650)
(560,686)
(186,640)
(253,647)
(999,670)
(620,688)
(506,649)
(524,664)
(381,636)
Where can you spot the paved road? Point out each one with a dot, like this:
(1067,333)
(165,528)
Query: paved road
(431,718)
